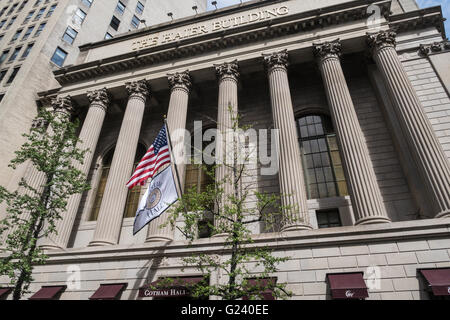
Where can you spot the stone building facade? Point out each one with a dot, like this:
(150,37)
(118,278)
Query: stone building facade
(362,106)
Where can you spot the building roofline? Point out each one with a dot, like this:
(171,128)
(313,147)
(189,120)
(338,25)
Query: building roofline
(208,15)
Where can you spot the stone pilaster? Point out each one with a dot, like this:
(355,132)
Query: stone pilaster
(292,185)
(364,190)
(227,74)
(89,135)
(426,151)
(109,223)
(180,86)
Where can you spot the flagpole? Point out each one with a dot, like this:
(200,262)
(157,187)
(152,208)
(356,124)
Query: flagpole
(173,161)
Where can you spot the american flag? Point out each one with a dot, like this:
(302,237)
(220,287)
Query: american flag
(157,156)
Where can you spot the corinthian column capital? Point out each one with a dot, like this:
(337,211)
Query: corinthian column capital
(180,80)
(39,123)
(99,98)
(138,89)
(63,105)
(228,70)
(276,60)
(382,40)
(327,50)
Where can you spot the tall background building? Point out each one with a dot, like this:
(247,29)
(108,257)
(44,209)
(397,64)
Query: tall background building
(39,36)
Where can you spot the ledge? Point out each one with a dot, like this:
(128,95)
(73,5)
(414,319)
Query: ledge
(408,230)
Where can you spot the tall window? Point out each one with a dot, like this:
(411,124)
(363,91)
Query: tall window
(51,10)
(79,17)
(324,174)
(70,35)
(197,178)
(13,75)
(133,194)
(59,57)
(87,3)
(120,7)
(139,7)
(114,23)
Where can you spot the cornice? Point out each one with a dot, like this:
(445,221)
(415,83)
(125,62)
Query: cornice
(435,47)
(248,34)
(423,18)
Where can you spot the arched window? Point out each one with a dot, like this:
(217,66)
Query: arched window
(133,195)
(324,174)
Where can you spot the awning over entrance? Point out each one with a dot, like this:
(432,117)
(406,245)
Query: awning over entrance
(170,287)
(266,293)
(108,291)
(48,293)
(4,292)
(348,285)
(438,280)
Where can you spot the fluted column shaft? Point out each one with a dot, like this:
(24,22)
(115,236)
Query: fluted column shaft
(109,223)
(180,85)
(62,108)
(426,151)
(227,74)
(292,185)
(89,136)
(366,197)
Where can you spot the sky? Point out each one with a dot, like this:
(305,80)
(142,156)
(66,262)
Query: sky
(422,4)
(445,10)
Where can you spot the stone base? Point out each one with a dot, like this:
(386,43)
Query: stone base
(158,239)
(297,227)
(101,244)
(50,247)
(445,214)
(373,220)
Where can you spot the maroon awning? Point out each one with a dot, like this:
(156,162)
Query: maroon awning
(347,285)
(170,287)
(267,293)
(438,280)
(48,292)
(108,291)
(4,292)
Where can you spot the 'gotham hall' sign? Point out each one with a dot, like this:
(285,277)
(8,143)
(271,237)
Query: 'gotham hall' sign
(213,26)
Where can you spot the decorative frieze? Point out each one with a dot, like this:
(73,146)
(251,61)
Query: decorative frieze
(436,47)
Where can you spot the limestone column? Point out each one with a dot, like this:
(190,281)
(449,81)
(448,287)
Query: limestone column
(62,108)
(426,151)
(109,223)
(292,183)
(364,191)
(227,74)
(89,135)
(180,86)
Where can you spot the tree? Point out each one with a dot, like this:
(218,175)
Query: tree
(51,152)
(230,216)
